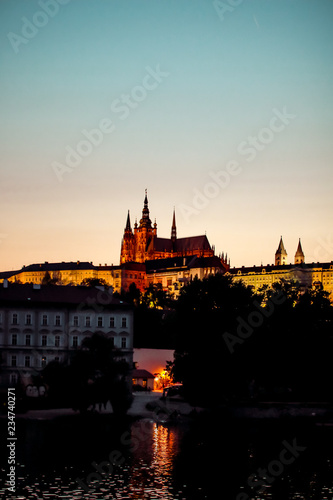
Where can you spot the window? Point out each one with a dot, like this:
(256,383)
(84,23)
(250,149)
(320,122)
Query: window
(14,319)
(13,363)
(75,341)
(169,283)
(43,361)
(99,321)
(123,322)
(57,320)
(27,361)
(13,378)
(123,343)
(57,359)
(88,321)
(57,341)
(76,321)
(44,340)
(28,319)
(112,341)
(112,322)
(14,339)
(44,320)
(28,340)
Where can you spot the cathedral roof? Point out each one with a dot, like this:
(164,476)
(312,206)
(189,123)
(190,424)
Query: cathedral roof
(192,243)
(183,245)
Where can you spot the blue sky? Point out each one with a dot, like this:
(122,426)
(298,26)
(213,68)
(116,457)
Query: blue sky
(222,78)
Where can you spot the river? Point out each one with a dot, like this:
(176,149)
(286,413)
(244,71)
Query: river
(195,459)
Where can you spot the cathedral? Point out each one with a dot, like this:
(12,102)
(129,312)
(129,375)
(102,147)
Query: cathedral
(143,244)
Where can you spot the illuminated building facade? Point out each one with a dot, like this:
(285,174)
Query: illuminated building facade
(143,244)
(174,273)
(309,275)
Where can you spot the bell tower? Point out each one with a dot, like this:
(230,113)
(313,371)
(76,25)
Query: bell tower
(299,255)
(281,254)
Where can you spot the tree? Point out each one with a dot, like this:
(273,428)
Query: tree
(47,280)
(230,340)
(95,375)
(92,282)
(155,297)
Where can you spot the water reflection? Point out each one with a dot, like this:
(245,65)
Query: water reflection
(197,461)
(152,466)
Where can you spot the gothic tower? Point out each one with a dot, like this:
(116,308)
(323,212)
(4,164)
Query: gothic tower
(144,233)
(127,253)
(299,255)
(281,254)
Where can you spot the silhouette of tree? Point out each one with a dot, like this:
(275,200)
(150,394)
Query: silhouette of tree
(47,280)
(94,282)
(281,339)
(95,375)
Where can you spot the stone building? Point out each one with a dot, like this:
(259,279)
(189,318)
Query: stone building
(39,324)
(173,273)
(143,244)
(309,275)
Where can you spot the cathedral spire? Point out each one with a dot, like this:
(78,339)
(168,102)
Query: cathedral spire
(145,221)
(173,227)
(128,223)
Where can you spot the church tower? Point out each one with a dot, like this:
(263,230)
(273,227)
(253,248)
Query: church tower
(299,255)
(127,253)
(281,255)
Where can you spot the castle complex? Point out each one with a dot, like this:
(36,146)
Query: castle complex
(146,259)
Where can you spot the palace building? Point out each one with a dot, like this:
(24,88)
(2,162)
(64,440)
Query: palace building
(309,275)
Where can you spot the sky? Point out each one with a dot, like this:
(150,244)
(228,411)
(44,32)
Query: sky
(221,109)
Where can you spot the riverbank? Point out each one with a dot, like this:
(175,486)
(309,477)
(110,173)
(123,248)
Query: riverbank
(151,405)
(139,409)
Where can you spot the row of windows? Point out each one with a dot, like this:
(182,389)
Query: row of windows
(57,341)
(87,320)
(28,361)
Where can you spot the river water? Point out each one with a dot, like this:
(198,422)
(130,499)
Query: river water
(204,458)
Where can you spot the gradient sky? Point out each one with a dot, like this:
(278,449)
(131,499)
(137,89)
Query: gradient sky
(225,77)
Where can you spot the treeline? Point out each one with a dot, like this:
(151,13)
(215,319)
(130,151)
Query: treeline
(233,344)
